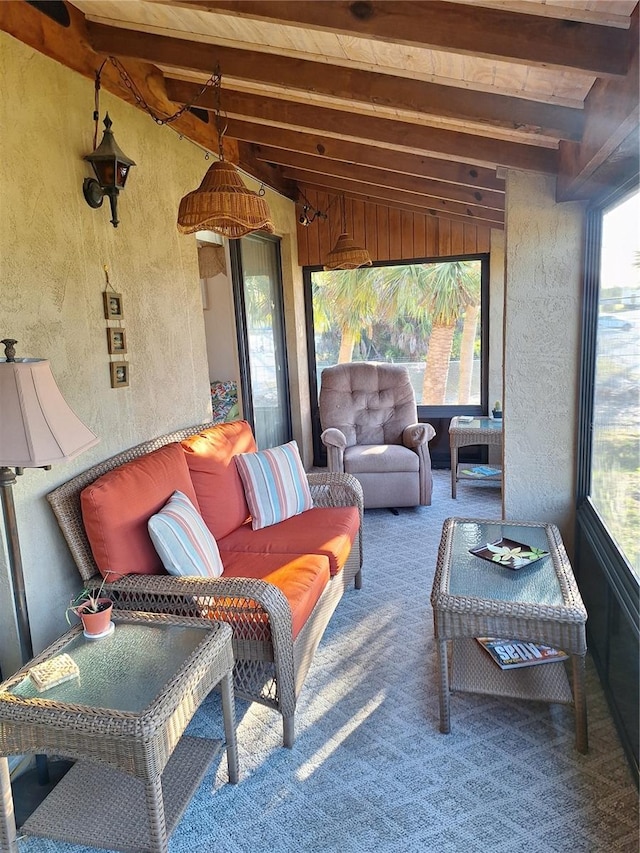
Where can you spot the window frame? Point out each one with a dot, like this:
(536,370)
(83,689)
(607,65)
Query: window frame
(425,413)
(622,575)
(606,580)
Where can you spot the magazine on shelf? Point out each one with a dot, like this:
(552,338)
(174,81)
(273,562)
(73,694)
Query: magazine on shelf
(510,654)
(481,471)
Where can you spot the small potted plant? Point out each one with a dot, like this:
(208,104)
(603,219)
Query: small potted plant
(94,610)
(497,410)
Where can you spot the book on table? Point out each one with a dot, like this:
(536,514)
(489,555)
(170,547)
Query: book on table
(510,654)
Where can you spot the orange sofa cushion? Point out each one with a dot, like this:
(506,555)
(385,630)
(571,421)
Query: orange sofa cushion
(215,477)
(117,506)
(301,579)
(330,531)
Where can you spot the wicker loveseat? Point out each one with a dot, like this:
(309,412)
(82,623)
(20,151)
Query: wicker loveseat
(273,649)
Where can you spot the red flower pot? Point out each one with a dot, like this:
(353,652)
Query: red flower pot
(96,624)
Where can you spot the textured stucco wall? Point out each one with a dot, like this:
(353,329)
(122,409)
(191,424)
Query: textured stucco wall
(52,251)
(541,345)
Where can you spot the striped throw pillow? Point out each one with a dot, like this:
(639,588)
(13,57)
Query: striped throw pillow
(183,541)
(275,484)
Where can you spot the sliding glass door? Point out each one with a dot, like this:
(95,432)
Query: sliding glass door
(257,285)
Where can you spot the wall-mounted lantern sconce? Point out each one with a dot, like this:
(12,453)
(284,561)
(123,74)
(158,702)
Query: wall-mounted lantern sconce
(310,214)
(111,168)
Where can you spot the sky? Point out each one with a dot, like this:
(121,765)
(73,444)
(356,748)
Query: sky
(620,245)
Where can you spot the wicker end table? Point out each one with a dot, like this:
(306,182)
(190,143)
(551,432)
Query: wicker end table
(465,433)
(473,597)
(125,714)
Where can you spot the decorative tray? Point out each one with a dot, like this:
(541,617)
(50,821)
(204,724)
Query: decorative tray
(509,553)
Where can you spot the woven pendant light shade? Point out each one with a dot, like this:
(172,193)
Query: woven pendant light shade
(211,260)
(345,255)
(222,203)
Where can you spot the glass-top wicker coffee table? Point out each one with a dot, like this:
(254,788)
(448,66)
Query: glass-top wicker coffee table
(125,714)
(540,603)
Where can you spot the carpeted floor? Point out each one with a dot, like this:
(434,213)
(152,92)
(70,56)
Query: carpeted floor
(370,773)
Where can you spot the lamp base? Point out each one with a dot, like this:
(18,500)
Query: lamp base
(29,793)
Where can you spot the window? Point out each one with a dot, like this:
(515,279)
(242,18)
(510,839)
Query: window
(615,453)
(608,482)
(427,315)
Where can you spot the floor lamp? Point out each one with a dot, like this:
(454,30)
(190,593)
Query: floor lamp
(37,430)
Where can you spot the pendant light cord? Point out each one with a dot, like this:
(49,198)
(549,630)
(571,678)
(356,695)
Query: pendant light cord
(213,81)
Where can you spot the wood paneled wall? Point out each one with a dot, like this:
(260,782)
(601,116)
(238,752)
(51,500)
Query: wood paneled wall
(389,234)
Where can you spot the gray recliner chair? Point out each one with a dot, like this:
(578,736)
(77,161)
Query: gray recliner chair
(370,428)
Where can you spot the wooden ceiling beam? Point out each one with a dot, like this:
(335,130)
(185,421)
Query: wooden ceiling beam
(269,174)
(71,47)
(381,177)
(263,135)
(493,33)
(612,114)
(390,195)
(351,84)
(343,123)
(412,208)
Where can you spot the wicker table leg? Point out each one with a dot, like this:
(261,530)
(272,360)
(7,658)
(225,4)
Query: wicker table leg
(580,702)
(454,469)
(158,841)
(229,715)
(443,687)
(8,841)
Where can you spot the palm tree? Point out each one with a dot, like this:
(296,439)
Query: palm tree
(469,329)
(344,300)
(435,296)
(452,291)
(428,298)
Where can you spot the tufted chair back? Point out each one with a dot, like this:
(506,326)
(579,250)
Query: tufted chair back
(370,403)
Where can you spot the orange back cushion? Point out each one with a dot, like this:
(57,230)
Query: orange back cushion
(117,506)
(215,477)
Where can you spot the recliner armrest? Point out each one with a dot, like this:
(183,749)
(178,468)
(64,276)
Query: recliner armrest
(416,434)
(334,437)
(335,441)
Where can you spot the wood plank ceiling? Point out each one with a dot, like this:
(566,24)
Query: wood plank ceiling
(414,105)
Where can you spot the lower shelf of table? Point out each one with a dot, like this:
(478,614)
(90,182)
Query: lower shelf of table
(479,478)
(473,671)
(98,806)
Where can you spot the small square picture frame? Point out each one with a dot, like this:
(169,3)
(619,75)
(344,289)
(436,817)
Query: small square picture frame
(112,305)
(119,374)
(116,341)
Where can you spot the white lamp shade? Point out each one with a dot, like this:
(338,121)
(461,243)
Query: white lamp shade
(37,427)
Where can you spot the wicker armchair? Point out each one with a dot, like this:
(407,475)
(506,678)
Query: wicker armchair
(270,666)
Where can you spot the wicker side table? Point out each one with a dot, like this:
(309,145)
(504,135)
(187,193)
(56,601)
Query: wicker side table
(472,597)
(465,433)
(125,714)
